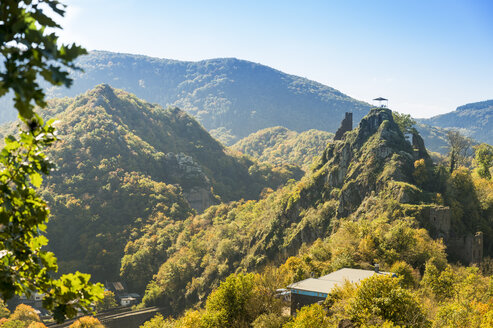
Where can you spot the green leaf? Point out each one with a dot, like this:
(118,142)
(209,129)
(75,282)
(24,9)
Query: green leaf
(36,179)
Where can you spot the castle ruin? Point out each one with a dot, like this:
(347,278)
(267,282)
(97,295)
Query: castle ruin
(346,125)
(466,248)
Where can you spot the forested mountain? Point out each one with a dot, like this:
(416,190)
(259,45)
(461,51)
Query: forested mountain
(372,188)
(124,164)
(474,120)
(279,145)
(231,98)
(435,138)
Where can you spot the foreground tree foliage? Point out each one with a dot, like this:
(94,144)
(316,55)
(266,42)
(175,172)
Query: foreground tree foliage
(24,316)
(242,300)
(380,299)
(228,305)
(87,322)
(447,296)
(27,52)
(108,302)
(310,316)
(26,268)
(158,322)
(4,311)
(459,150)
(484,160)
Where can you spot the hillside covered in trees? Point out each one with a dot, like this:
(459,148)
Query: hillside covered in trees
(370,197)
(231,98)
(279,145)
(474,120)
(133,179)
(124,164)
(368,200)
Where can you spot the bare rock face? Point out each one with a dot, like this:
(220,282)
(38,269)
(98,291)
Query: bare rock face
(465,247)
(196,185)
(419,147)
(371,123)
(366,160)
(371,162)
(200,199)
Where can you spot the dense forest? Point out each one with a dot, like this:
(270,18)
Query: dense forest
(279,146)
(367,199)
(124,164)
(231,98)
(474,120)
(145,195)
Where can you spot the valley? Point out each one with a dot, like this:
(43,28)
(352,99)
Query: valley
(145,195)
(231,98)
(138,191)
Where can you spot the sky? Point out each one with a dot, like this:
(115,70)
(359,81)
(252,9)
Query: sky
(426,56)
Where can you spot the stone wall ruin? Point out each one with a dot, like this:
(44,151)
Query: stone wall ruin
(466,248)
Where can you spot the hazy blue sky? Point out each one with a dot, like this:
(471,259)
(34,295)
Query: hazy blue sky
(427,57)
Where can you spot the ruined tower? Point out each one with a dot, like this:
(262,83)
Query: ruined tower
(346,125)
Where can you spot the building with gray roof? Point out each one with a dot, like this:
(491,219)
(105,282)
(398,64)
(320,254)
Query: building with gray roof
(313,290)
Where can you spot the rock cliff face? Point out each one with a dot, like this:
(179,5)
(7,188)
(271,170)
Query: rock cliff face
(419,147)
(463,246)
(200,198)
(373,157)
(372,162)
(370,165)
(198,185)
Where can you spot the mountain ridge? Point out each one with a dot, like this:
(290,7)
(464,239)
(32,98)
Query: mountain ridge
(230,97)
(125,164)
(279,145)
(235,96)
(474,120)
(373,163)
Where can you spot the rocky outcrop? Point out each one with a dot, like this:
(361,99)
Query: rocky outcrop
(200,199)
(196,185)
(185,169)
(360,176)
(468,248)
(419,147)
(465,247)
(366,160)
